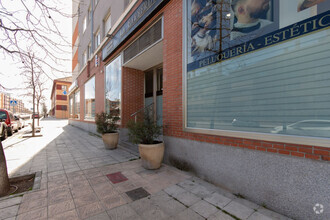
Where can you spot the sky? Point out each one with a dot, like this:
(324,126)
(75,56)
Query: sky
(10,73)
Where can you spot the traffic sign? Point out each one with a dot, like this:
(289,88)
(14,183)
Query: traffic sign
(64,92)
(13,102)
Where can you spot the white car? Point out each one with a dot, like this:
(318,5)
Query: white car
(317,128)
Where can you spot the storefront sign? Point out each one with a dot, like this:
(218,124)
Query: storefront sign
(138,16)
(310,25)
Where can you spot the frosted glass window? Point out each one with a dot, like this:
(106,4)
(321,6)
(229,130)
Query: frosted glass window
(90,99)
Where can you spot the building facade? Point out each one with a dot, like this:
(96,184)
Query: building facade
(17,107)
(59,98)
(244,100)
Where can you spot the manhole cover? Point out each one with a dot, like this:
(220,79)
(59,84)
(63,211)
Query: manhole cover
(117,177)
(137,194)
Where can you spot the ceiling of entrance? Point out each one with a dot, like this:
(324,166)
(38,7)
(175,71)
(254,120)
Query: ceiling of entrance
(147,59)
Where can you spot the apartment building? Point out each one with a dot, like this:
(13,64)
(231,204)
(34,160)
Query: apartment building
(12,103)
(59,97)
(244,105)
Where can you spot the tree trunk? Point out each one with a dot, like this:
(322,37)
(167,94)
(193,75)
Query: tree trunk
(4,180)
(38,111)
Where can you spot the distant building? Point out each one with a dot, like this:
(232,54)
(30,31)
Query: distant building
(59,97)
(18,108)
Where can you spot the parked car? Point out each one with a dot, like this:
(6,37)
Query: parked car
(318,128)
(3,130)
(9,119)
(19,122)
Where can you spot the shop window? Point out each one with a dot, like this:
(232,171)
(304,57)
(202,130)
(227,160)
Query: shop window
(113,85)
(77,105)
(71,106)
(90,99)
(84,24)
(280,86)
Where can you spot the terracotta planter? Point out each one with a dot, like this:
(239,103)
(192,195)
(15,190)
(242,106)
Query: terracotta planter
(110,140)
(151,155)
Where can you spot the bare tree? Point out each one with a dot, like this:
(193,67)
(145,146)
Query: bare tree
(40,94)
(26,25)
(44,109)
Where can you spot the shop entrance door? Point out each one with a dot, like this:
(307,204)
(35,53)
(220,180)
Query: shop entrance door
(154,92)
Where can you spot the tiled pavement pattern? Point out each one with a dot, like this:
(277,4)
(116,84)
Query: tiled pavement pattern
(75,185)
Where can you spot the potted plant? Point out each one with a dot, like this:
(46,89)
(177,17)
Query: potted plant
(106,124)
(145,132)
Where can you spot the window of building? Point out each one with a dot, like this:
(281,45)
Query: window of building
(84,58)
(84,24)
(71,106)
(61,97)
(89,50)
(61,107)
(275,88)
(97,38)
(113,85)
(107,23)
(90,99)
(77,105)
(64,87)
(90,13)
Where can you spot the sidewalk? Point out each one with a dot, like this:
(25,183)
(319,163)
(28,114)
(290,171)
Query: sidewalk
(80,179)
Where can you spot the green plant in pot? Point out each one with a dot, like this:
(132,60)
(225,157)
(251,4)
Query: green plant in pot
(145,132)
(107,125)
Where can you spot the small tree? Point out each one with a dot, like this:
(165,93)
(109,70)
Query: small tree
(44,109)
(4,180)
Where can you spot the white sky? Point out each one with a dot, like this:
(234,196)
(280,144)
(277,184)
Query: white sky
(10,76)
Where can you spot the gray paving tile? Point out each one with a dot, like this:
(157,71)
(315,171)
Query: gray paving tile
(61,207)
(170,207)
(188,214)
(187,198)
(8,212)
(272,214)
(220,215)
(204,208)
(174,190)
(122,212)
(218,200)
(85,200)
(247,203)
(10,202)
(101,216)
(90,210)
(259,216)
(35,214)
(69,215)
(238,210)
(31,205)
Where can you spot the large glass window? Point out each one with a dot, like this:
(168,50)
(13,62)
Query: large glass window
(113,85)
(90,99)
(77,105)
(270,78)
(71,106)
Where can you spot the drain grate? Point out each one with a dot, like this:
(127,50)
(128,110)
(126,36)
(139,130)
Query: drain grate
(137,194)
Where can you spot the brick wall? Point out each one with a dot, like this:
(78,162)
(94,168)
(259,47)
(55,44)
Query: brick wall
(132,93)
(172,98)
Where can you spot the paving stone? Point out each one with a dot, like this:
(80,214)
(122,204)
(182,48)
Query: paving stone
(247,203)
(90,210)
(85,200)
(160,197)
(204,208)
(174,190)
(201,191)
(98,179)
(272,214)
(8,212)
(187,198)
(259,216)
(10,202)
(69,215)
(31,205)
(101,216)
(220,215)
(61,207)
(125,186)
(238,210)
(170,207)
(81,191)
(117,177)
(59,198)
(152,214)
(35,214)
(142,205)
(123,212)
(187,184)
(34,195)
(188,214)
(218,200)
(113,201)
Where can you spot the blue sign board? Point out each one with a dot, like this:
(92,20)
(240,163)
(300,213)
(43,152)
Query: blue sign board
(64,92)
(13,102)
(139,15)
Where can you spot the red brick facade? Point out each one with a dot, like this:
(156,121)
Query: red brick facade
(133,93)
